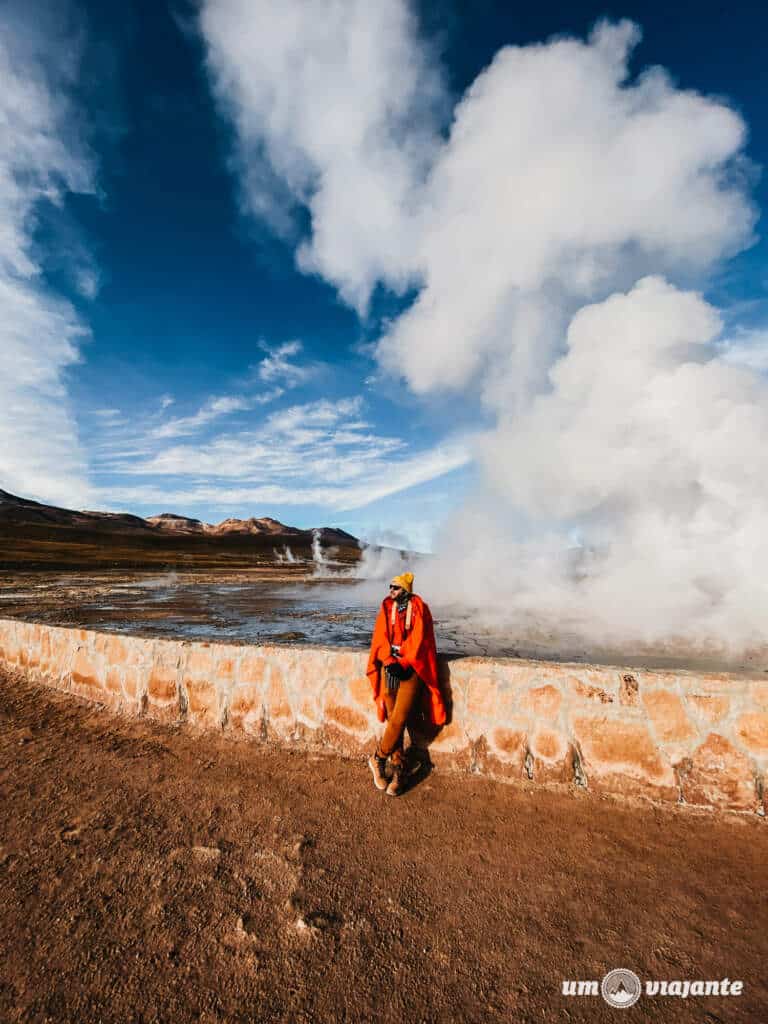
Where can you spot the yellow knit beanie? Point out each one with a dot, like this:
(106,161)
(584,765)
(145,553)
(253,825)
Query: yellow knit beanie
(405,581)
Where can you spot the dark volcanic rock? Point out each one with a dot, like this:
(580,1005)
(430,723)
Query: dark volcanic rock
(23,510)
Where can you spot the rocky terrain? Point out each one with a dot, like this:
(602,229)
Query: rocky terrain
(37,536)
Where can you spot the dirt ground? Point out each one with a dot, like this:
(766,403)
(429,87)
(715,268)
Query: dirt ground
(147,875)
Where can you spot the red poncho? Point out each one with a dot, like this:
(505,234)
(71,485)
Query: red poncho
(417,651)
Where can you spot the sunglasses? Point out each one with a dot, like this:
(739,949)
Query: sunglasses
(393,587)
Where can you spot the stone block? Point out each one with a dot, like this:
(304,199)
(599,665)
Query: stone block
(346,664)
(552,755)
(620,757)
(670,721)
(86,678)
(482,692)
(113,648)
(246,711)
(276,697)
(161,693)
(139,651)
(543,701)
(199,664)
(710,707)
(161,685)
(361,691)
(62,652)
(337,710)
(202,703)
(224,667)
(346,717)
(33,652)
(252,668)
(506,751)
(113,683)
(133,683)
(719,775)
(310,712)
(752,730)
(508,703)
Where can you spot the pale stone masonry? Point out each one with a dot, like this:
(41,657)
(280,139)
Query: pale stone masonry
(695,738)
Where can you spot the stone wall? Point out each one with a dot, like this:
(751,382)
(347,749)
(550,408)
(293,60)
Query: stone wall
(671,736)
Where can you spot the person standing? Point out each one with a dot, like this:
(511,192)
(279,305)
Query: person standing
(402,669)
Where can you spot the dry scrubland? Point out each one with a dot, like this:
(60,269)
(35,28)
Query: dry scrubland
(151,875)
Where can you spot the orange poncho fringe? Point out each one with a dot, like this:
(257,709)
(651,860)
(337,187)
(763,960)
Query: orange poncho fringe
(417,651)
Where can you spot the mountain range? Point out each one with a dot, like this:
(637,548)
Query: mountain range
(34,535)
(23,510)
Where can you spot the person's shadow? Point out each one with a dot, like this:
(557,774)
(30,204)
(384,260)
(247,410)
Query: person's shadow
(422,733)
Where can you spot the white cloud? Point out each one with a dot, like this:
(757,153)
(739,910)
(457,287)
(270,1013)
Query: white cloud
(87,281)
(316,453)
(372,478)
(268,396)
(40,335)
(213,409)
(277,367)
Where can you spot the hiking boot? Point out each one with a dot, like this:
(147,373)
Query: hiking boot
(397,785)
(378,766)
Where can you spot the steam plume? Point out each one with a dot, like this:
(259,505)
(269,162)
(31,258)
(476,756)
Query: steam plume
(560,238)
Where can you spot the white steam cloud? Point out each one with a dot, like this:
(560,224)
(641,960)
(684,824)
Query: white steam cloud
(559,236)
(332,102)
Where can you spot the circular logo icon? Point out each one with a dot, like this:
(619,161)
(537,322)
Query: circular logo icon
(620,988)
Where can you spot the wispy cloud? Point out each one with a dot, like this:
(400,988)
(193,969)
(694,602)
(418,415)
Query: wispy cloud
(319,452)
(277,368)
(40,334)
(380,478)
(213,409)
(87,282)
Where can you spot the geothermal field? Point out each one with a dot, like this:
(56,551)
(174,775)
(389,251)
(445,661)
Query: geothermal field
(305,604)
(260,582)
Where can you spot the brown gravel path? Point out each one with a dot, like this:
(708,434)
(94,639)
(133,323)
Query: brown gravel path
(149,875)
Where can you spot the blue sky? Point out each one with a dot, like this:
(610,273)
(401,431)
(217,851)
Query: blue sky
(213,373)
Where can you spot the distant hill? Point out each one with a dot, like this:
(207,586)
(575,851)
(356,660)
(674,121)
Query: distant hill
(33,534)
